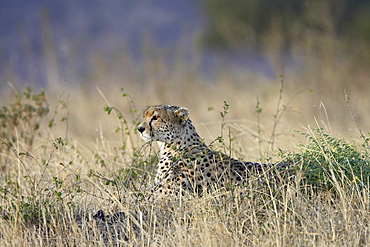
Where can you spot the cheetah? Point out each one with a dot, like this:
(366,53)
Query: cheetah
(186,163)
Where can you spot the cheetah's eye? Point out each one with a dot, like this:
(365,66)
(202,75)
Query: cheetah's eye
(156,117)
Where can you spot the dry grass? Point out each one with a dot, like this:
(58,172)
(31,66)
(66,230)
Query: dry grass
(51,189)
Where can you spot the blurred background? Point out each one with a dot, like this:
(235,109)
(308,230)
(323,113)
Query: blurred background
(197,54)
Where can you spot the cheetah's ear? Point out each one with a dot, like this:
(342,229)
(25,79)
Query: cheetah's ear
(182,113)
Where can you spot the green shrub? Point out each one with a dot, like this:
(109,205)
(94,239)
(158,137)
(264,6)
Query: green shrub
(327,162)
(20,120)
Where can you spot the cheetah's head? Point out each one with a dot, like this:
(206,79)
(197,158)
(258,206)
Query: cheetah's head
(163,123)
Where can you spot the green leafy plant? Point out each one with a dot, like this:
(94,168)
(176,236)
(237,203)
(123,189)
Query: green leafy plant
(142,165)
(20,121)
(48,194)
(329,162)
(126,127)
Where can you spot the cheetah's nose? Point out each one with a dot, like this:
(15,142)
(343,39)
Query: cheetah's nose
(141,129)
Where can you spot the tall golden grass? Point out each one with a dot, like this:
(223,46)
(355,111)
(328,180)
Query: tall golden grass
(52,189)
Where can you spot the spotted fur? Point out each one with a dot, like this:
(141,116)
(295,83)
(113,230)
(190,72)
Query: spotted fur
(186,163)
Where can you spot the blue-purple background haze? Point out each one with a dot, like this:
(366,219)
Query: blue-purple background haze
(79,29)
